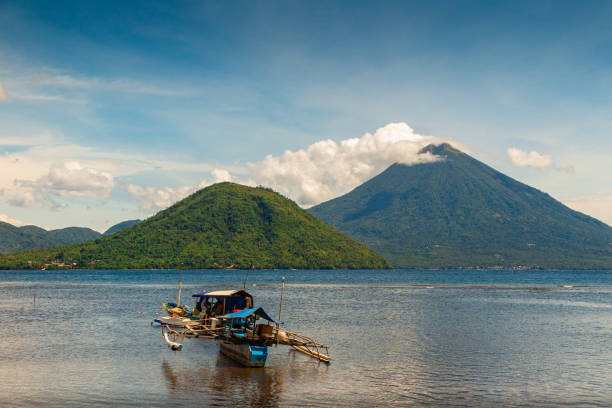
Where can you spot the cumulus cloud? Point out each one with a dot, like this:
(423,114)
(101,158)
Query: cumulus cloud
(27,197)
(70,178)
(9,220)
(154,199)
(219,175)
(73,179)
(327,169)
(3,95)
(533,159)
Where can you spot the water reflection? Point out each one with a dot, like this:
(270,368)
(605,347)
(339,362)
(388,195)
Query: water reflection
(227,384)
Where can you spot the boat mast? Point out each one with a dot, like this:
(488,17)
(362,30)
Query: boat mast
(280,308)
(247,276)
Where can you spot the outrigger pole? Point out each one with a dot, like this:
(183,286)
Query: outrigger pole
(178,304)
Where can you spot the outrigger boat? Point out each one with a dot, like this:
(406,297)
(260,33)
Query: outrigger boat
(229,317)
(174,310)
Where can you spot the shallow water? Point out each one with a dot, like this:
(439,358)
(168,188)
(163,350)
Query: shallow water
(397,338)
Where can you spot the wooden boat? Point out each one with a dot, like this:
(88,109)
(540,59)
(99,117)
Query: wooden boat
(229,317)
(245,354)
(174,310)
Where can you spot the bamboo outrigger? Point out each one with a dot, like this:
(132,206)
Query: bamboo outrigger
(229,316)
(279,336)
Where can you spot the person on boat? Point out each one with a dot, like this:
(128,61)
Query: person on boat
(197,311)
(218,310)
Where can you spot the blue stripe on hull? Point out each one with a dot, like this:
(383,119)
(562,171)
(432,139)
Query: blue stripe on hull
(248,356)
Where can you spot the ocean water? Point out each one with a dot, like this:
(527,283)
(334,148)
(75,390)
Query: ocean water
(397,338)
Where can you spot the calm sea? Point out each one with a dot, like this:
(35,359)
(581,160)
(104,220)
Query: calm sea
(397,338)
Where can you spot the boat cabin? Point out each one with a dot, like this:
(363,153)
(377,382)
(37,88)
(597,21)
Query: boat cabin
(221,302)
(247,318)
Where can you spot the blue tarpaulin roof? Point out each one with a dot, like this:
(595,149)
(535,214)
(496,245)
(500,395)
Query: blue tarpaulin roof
(199,294)
(249,312)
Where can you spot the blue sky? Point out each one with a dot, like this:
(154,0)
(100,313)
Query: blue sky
(112,111)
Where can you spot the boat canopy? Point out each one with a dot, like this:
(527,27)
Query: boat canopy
(258,311)
(230,299)
(222,293)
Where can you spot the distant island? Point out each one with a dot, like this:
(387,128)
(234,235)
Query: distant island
(225,225)
(28,237)
(460,213)
(14,239)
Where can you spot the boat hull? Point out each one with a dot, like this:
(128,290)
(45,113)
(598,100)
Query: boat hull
(177,321)
(248,356)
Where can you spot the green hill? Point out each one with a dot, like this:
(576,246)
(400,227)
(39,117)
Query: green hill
(224,225)
(118,227)
(459,212)
(13,239)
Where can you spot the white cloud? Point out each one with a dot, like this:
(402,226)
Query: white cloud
(219,175)
(27,197)
(3,95)
(152,199)
(155,199)
(533,159)
(73,179)
(42,150)
(324,170)
(70,178)
(43,169)
(7,219)
(599,207)
(327,169)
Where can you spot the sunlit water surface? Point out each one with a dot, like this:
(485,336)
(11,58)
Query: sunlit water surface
(397,338)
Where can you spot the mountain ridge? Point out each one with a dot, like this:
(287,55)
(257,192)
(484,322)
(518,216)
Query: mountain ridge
(119,226)
(460,212)
(14,239)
